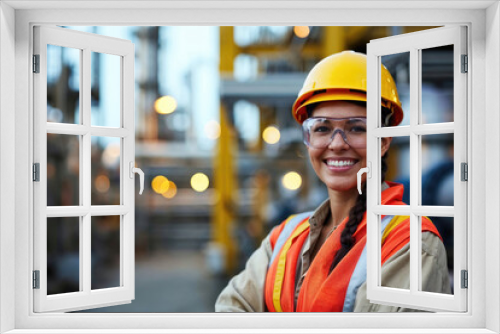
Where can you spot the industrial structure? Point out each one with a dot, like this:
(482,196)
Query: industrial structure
(246,192)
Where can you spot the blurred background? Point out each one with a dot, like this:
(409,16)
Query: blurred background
(223,157)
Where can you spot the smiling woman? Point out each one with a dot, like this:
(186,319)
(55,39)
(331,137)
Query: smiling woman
(316,261)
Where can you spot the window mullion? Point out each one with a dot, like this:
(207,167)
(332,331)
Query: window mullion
(422,210)
(414,168)
(434,129)
(82,224)
(67,129)
(85,237)
(418,163)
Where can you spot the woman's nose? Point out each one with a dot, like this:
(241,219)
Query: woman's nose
(338,142)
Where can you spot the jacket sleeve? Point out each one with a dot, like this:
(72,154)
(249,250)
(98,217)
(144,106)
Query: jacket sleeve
(396,273)
(245,291)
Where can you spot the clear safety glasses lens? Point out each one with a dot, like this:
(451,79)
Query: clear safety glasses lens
(319,132)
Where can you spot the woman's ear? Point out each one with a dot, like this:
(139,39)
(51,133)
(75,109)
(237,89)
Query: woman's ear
(386,143)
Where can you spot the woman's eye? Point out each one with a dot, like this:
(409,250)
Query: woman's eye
(321,129)
(358,129)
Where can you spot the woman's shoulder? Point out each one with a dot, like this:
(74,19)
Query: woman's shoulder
(397,234)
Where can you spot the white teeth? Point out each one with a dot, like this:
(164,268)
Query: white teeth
(339,163)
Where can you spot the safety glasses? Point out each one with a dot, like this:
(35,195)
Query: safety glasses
(319,132)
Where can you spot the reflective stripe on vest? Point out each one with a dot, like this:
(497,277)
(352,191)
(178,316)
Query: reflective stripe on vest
(280,270)
(359,274)
(281,248)
(290,225)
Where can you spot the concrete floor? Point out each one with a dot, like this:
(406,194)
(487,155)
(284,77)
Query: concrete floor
(172,282)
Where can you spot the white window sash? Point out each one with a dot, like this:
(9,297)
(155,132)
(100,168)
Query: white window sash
(413,43)
(86,297)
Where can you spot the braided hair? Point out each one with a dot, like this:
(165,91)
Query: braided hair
(357,212)
(356,215)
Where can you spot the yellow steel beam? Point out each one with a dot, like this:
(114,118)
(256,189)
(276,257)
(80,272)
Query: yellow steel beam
(333,41)
(228,49)
(354,34)
(225,181)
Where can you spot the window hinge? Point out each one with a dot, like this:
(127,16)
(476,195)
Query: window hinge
(36,63)
(465,279)
(465,64)
(465,171)
(36,279)
(36,172)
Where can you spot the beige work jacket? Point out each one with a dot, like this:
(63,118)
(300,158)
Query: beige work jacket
(245,291)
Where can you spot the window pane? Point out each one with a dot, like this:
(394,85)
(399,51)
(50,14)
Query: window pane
(63,84)
(106,90)
(437,264)
(395,252)
(399,67)
(437,170)
(105,246)
(397,159)
(63,170)
(106,153)
(63,255)
(437,85)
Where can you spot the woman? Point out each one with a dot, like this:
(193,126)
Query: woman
(316,261)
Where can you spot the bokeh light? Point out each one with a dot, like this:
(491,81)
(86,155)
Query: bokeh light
(212,129)
(165,105)
(102,183)
(292,180)
(199,182)
(160,184)
(111,155)
(301,31)
(171,191)
(271,135)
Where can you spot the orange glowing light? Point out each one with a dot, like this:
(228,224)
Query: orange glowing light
(171,192)
(301,31)
(160,184)
(102,183)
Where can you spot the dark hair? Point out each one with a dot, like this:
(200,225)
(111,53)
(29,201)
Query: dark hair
(357,212)
(356,215)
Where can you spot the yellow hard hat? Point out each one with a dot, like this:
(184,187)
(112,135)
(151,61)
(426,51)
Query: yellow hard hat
(342,76)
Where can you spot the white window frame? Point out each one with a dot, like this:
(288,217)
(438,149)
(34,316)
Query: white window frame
(86,297)
(414,43)
(483,21)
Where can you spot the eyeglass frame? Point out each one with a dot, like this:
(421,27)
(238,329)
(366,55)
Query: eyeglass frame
(306,130)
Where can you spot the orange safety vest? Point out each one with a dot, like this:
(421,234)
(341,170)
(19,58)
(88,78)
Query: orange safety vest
(322,291)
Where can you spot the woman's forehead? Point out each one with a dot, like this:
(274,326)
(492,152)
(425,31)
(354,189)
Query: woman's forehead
(339,109)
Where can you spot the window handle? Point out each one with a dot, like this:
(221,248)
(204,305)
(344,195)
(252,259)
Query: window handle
(139,171)
(366,170)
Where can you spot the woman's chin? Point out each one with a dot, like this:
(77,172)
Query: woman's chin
(341,186)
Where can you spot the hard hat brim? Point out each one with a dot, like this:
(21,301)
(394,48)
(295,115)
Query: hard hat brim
(300,113)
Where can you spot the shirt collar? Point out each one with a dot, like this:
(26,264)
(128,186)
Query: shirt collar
(390,191)
(319,216)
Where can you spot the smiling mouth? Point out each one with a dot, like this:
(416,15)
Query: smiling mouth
(346,163)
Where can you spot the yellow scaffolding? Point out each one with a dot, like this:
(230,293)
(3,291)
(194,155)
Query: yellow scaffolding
(225,181)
